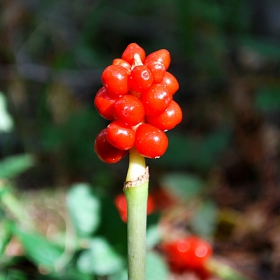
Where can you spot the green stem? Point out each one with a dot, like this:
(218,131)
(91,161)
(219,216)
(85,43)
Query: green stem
(224,271)
(136,192)
(13,205)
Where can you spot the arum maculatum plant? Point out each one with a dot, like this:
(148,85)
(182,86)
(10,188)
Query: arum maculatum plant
(137,99)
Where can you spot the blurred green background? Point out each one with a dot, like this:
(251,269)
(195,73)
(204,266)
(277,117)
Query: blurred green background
(225,153)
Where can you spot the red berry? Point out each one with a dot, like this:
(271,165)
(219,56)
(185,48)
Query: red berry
(131,50)
(170,82)
(120,202)
(123,63)
(162,56)
(120,135)
(150,205)
(105,151)
(140,78)
(137,96)
(156,99)
(187,253)
(129,110)
(150,141)
(135,93)
(115,80)
(168,119)
(104,104)
(157,69)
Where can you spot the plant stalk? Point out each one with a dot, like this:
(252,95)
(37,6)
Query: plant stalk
(136,192)
(13,205)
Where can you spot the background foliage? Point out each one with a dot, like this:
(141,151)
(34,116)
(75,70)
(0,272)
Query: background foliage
(222,164)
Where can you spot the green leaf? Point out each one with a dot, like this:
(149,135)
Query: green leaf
(263,47)
(201,154)
(99,258)
(112,226)
(204,220)
(268,98)
(178,156)
(12,274)
(72,273)
(156,267)
(210,148)
(14,165)
(182,185)
(6,122)
(210,11)
(39,249)
(5,234)
(153,236)
(84,208)
(120,275)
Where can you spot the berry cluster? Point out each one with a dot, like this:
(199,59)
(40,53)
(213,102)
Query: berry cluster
(120,202)
(137,97)
(189,253)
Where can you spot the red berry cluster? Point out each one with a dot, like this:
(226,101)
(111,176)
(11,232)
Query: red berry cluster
(120,202)
(137,97)
(190,253)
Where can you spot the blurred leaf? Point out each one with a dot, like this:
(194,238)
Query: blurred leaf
(5,235)
(182,185)
(38,249)
(13,274)
(265,48)
(200,153)
(115,231)
(120,275)
(99,258)
(6,121)
(14,165)
(72,273)
(178,156)
(204,220)
(210,11)
(51,137)
(240,16)
(210,148)
(84,208)
(153,236)
(268,98)
(77,137)
(156,267)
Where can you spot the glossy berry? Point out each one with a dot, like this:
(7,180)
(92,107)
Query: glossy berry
(170,82)
(140,78)
(168,119)
(162,56)
(157,69)
(115,80)
(187,253)
(150,141)
(105,151)
(131,50)
(137,97)
(104,104)
(129,110)
(123,63)
(135,93)
(156,99)
(120,202)
(120,135)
